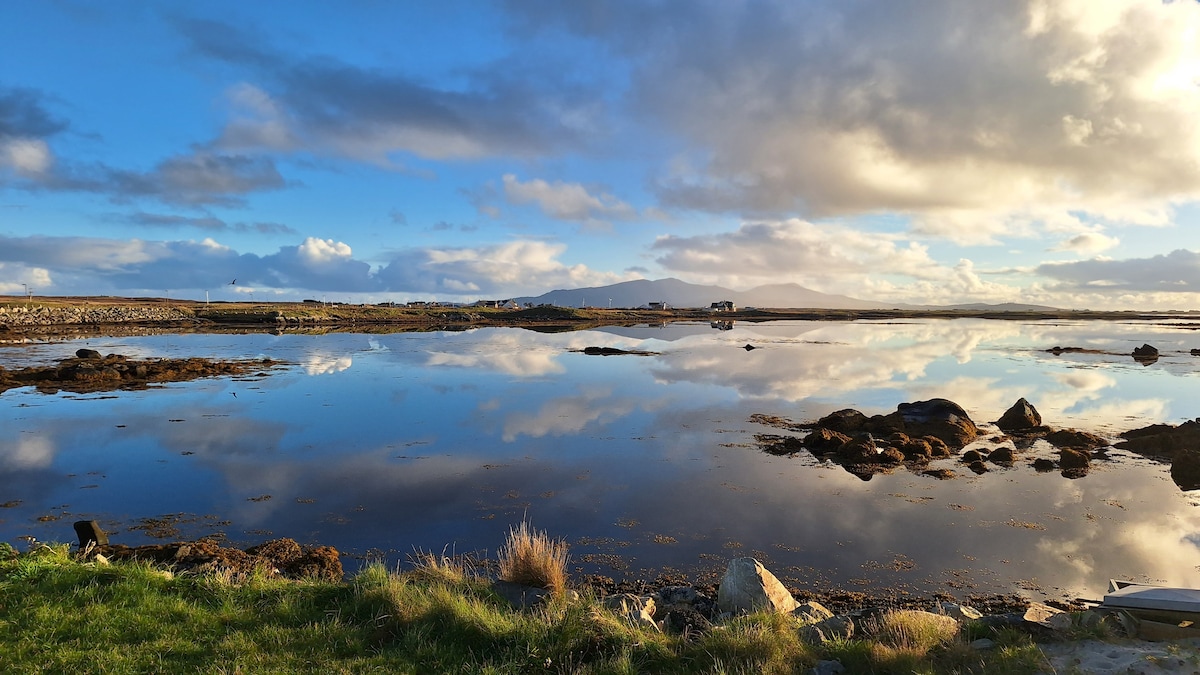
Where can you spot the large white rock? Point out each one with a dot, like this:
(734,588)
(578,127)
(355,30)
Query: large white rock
(749,587)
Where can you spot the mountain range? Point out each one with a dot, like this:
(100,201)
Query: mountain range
(676,293)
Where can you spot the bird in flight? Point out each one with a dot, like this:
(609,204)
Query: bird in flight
(233,282)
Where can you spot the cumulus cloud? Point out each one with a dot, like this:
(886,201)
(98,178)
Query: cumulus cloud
(316,264)
(327,106)
(1175,272)
(976,112)
(566,201)
(24,125)
(510,268)
(794,250)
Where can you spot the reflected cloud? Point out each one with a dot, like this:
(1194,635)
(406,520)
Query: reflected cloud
(27,452)
(568,415)
(326,364)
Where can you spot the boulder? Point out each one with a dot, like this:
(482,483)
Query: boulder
(971,456)
(749,587)
(1022,415)
(1145,351)
(936,417)
(1002,456)
(831,629)
(940,474)
(847,421)
(890,456)
(1069,458)
(1042,465)
(89,533)
(978,467)
(825,440)
(1185,470)
(686,621)
(960,613)
(1073,438)
(88,354)
(861,450)
(812,612)
(1162,440)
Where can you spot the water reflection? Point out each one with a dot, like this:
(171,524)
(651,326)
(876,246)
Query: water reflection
(427,439)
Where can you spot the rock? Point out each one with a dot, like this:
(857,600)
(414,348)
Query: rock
(281,552)
(937,447)
(812,612)
(88,354)
(1195,352)
(833,628)
(636,610)
(827,668)
(749,587)
(319,562)
(889,456)
(861,450)
(982,644)
(89,533)
(825,440)
(1185,470)
(519,596)
(1022,415)
(971,456)
(937,417)
(1002,456)
(1073,438)
(960,613)
(1069,458)
(672,596)
(978,467)
(847,421)
(940,474)
(686,621)
(1145,352)
(1162,440)
(1042,465)
(1042,616)
(749,347)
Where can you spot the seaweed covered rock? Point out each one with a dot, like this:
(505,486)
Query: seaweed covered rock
(1022,415)
(937,417)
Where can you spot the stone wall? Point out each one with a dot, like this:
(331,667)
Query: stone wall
(38,315)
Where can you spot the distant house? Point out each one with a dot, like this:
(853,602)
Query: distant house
(658,305)
(498,304)
(722,306)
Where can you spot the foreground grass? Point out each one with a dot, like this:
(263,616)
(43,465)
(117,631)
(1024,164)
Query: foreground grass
(61,615)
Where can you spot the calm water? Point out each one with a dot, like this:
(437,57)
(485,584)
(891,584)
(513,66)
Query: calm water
(380,444)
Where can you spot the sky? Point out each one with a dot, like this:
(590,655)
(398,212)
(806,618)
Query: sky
(908,151)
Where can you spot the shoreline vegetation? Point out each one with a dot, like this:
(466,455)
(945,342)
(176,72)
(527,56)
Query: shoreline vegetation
(69,608)
(36,315)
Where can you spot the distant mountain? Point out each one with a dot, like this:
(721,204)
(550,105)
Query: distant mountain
(1002,307)
(678,293)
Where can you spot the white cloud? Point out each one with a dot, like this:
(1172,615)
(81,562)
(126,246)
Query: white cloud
(320,251)
(29,157)
(795,250)
(1088,243)
(566,201)
(980,114)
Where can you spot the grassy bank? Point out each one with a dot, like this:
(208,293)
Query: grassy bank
(59,614)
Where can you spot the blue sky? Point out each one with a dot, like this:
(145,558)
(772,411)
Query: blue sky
(928,152)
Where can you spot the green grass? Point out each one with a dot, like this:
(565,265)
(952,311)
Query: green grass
(58,614)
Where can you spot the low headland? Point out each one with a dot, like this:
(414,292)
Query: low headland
(81,315)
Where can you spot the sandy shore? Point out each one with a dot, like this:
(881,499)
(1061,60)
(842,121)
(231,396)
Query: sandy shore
(1123,656)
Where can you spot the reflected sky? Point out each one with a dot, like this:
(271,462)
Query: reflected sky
(380,444)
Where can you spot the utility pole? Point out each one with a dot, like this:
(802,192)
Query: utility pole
(28,293)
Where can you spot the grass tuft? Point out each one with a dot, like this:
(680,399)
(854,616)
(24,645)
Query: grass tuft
(531,558)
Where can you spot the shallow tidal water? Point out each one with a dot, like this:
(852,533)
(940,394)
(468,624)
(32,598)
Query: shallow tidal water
(381,444)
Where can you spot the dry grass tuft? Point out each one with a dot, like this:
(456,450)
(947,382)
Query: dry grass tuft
(531,558)
(451,569)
